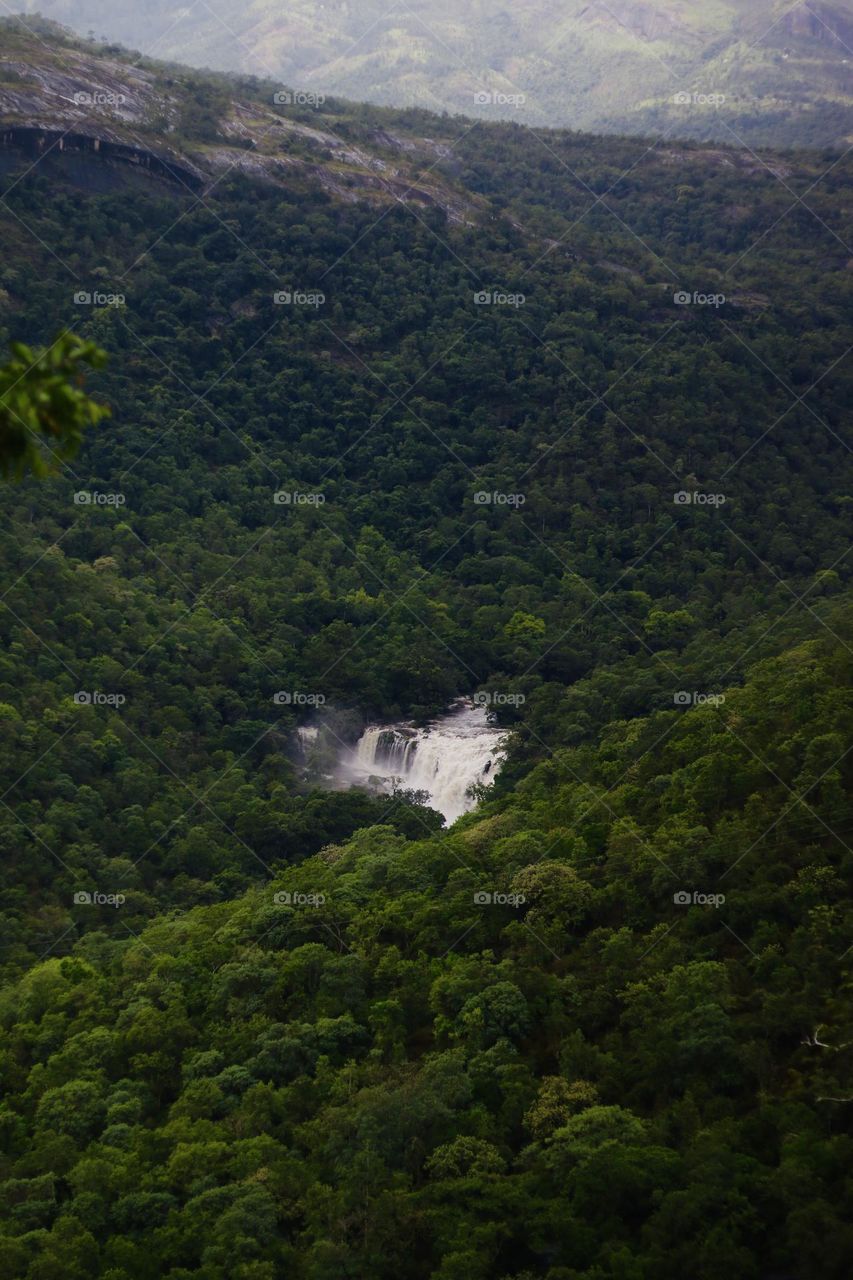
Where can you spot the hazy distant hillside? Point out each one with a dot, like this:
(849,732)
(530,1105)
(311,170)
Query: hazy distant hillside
(783,69)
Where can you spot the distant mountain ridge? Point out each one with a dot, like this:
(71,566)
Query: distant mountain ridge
(762,71)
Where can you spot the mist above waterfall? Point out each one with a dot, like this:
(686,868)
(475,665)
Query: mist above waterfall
(445,758)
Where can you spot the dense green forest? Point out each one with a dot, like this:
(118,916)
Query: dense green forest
(588,1077)
(252,1028)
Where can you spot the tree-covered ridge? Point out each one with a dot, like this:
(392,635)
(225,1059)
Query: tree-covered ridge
(391,1077)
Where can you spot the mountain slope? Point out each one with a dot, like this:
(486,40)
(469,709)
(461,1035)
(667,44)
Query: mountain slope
(769,71)
(556,1044)
(569,430)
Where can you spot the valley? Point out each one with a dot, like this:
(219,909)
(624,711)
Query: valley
(426,695)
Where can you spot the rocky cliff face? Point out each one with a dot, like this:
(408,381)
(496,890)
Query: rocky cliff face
(634,17)
(65,102)
(824,23)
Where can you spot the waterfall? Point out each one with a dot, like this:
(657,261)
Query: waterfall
(445,758)
(306,737)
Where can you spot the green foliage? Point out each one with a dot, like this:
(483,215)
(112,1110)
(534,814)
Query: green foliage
(43,409)
(203,106)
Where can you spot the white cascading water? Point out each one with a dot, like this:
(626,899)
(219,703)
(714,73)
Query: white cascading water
(446,758)
(307,736)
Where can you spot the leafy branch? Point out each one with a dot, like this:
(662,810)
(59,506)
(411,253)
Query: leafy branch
(43,407)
